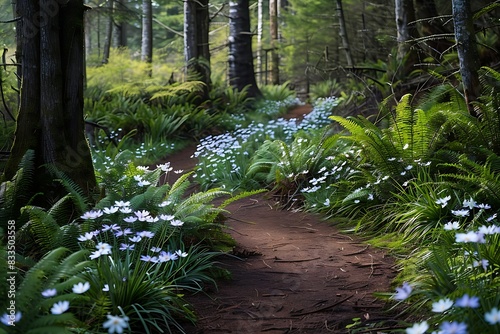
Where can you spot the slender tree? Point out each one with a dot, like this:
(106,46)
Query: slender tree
(467,51)
(50,120)
(343,34)
(88,34)
(260,28)
(121,23)
(273,28)
(147,31)
(196,43)
(109,32)
(241,69)
(406,32)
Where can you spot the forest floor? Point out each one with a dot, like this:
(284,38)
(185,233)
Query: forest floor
(291,272)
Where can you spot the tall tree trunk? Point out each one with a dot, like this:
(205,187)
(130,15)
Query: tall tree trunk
(147,31)
(343,34)
(467,51)
(196,43)
(121,24)
(260,26)
(109,33)
(50,120)
(406,32)
(273,28)
(88,33)
(241,69)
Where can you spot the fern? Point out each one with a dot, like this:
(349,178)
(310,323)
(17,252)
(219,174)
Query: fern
(408,138)
(197,206)
(42,227)
(49,229)
(16,193)
(179,187)
(56,270)
(150,198)
(482,180)
(239,196)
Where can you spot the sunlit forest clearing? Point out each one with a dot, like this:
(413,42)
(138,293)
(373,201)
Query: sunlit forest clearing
(399,151)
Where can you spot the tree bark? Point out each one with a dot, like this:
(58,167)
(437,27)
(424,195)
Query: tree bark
(273,28)
(88,35)
(147,31)
(260,25)
(467,51)
(343,34)
(196,42)
(121,24)
(50,120)
(406,32)
(28,54)
(241,69)
(405,13)
(109,33)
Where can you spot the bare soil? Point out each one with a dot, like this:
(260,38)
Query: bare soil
(292,272)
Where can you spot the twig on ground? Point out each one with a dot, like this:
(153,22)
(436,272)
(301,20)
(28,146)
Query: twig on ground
(298,260)
(357,252)
(323,308)
(303,227)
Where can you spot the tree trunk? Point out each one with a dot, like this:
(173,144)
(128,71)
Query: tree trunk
(241,69)
(88,33)
(343,34)
(121,24)
(50,120)
(405,14)
(260,18)
(147,31)
(109,33)
(196,43)
(273,28)
(406,32)
(467,51)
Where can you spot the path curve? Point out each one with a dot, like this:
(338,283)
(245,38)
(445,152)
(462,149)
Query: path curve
(297,274)
(292,272)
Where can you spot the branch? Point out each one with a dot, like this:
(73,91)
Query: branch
(11,20)
(168,28)
(217,12)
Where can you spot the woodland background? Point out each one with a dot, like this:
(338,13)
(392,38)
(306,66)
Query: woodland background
(410,160)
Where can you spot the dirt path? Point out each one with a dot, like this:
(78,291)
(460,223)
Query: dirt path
(297,274)
(294,273)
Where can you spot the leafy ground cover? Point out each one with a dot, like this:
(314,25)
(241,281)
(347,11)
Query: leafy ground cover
(422,182)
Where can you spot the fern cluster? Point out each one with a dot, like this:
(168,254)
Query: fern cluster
(59,269)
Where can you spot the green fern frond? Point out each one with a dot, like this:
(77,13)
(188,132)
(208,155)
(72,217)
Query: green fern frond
(42,227)
(197,206)
(68,235)
(150,198)
(480,179)
(239,196)
(357,195)
(57,270)
(263,164)
(16,193)
(53,324)
(179,188)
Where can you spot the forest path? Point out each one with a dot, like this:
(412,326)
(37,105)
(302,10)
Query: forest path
(295,273)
